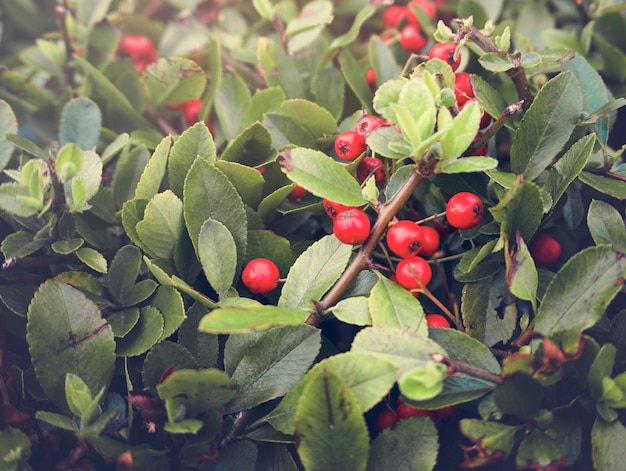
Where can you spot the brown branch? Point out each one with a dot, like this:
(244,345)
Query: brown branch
(68,71)
(495,127)
(517,73)
(362,259)
(456,367)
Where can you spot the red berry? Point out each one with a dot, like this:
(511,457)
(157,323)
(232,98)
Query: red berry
(464,210)
(425,5)
(444,228)
(351,226)
(545,249)
(332,208)
(138,46)
(463,88)
(430,240)
(297,193)
(349,145)
(370,165)
(141,64)
(485,120)
(413,273)
(366,124)
(392,16)
(445,52)
(444,414)
(192,109)
(370,78)
(412,39)
(406,411)
(386,419)
(260,275)
(437,320)
(403,238)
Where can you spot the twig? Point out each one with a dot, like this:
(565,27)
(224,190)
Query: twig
(509,111)
(456,367)
(61,13)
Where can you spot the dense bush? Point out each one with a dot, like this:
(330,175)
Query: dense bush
(325,235)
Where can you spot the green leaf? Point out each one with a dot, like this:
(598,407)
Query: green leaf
(203,346)
(355,79)
(218,255)
(93,259)
(415,112)
(354,310)
(169,302)
(304,29)
(322,176)
(162,225)
(328,90)
(209,194)
(67,334)
(57,420)
(386,140)
(247,181)
(196,391)
(568,167)
(521,276)
(460,135)
(195,142)
(470,164)
(242,456)
(279,69)
(331,430)
(495,62)
(601,367)
(263,101)
(163,356)
(231,101)
(231,320)
(461,387)
(606,185)
(595,92)
(173,80)
(578,295)
(490,99)
(405,350)
(287,131)
(8,125)
(89,13)
(146,333)
(520,209)
(546,126)
(154,171)
(80,123)
(606,225)
(20,244)
(314,272)
(519,395)
(266,244)
(252,147)
(316,119)
(390,305)
(411,444)
(607,439)
(492,436)
(273,364)
(122,322)
(348,37)
(77,393)
(115,98)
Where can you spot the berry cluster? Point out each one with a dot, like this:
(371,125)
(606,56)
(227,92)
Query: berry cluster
(139,48)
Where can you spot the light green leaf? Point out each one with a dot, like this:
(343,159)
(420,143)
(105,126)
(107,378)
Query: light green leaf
(8,125)
(218,255)
(390,305)
(162,224)
(322,176)
(314,272)
(173,80)
(93,259)
(232,320)
(521,277)
(470,164)
(231,101)
(606,225)
(80,123)
(154,171)
(353,310)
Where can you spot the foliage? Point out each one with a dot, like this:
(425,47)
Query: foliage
(128,339)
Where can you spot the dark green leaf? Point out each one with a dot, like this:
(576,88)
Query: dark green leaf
(123,271)
(247,181)
(8,126)
(606,185)
(252,147)
(355,79)
(146,333)
(238,456)
(331,430)
(546,126)
(266,244)
(203,346)
(122,322)
(519,395)
(273,364)
(170,304)
(287,131)
(163,356)
(520,209)
(193,143)
(411,445)
(329,91)
(128,170)
(578,295)
(231,101)
(20,244)
(162,225)
(314,272)
(67,334)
